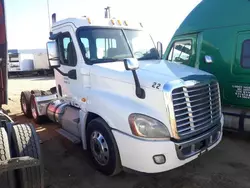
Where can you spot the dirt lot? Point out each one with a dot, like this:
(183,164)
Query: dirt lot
(67,165)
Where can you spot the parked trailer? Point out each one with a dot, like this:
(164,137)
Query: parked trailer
(160,114)
(18,62)
(24,62)
(215,37)
(20,156)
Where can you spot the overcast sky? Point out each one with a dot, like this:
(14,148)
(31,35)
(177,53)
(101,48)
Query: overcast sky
(28,25)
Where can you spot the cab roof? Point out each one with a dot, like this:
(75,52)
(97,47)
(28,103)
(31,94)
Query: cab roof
(209,14)
(103,22)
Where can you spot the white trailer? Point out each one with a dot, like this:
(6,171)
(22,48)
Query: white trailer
(18,62)
(41,61)
(127,107)
(28,61)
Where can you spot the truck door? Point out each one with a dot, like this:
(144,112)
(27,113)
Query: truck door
(182,49)
(67,75)
(238,89)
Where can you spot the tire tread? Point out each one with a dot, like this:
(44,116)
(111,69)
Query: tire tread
(27,145)
(4,155)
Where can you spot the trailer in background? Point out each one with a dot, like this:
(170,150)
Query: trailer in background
(18,62)
(28,62)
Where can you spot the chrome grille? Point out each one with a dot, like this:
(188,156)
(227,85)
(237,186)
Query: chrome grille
(196,108)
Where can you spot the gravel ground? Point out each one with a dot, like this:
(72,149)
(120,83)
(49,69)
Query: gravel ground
(67,165)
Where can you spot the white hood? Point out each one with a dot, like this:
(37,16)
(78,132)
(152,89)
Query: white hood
(150,71)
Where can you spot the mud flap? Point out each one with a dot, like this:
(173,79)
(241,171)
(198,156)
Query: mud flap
(18,163)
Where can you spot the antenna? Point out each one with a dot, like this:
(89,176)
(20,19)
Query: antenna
(48,15)
(107,12)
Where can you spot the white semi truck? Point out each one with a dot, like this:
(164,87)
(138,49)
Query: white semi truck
(127,107)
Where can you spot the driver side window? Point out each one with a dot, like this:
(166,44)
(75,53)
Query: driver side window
(67,50)
(181,51)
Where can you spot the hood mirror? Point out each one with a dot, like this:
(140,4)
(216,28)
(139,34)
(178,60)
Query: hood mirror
(131,64)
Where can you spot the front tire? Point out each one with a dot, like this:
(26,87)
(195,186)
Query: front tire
(103,148)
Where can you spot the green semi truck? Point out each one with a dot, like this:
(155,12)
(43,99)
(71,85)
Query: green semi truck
(215,37)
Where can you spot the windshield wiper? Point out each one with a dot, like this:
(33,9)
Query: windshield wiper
(148,58)
(105,60)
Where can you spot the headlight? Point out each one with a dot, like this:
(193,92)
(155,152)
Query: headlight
(144,126)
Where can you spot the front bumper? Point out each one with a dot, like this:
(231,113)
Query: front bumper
(137,154)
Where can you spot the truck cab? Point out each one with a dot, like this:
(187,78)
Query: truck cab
(215,37)
(125,105)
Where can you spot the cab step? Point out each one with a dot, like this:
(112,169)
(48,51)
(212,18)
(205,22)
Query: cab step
(69,136)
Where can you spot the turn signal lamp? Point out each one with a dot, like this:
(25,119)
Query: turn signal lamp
(89,20)
(119,22)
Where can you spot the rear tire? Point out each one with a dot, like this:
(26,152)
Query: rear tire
(25,103)
(4,155)
(26,143)
(102,148)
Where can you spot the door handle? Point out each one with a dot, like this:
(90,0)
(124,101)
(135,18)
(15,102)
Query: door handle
(72,74)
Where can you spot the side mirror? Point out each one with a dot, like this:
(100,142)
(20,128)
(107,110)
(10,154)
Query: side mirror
(131,64)
(160,49)
(53,55)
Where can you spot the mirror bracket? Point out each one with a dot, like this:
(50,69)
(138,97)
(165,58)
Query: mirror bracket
(140,93)
(133,64)
(54,36)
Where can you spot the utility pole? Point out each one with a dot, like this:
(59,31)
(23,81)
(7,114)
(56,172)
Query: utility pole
(49,15)
(107,12)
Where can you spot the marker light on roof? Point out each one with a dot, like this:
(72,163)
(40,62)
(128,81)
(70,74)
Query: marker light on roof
(113,22)
(119,22)
(89,20)
(126,23)
(141,24)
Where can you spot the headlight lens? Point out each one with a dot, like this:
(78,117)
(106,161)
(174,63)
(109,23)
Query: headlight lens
(147,127)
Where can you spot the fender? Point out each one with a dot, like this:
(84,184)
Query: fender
(115,109)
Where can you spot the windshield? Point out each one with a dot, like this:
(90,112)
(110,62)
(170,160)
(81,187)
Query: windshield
(141,44)
(101,45)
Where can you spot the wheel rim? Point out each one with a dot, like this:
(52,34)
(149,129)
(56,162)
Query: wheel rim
(99,148)
(24,105)
(33,110)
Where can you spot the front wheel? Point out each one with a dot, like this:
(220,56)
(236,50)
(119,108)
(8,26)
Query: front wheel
(102,147)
